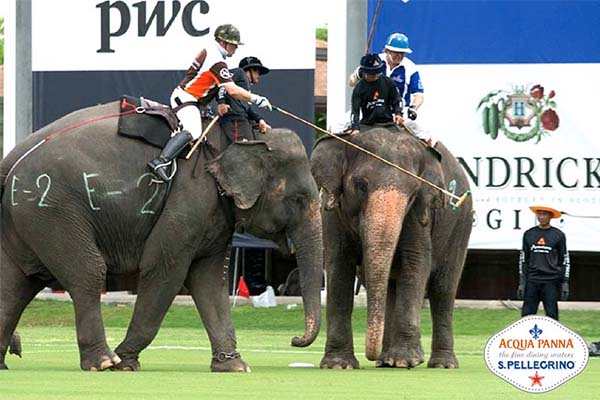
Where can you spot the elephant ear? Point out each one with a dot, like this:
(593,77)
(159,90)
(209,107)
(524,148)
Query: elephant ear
(240,171)
(327,166)
(429,197)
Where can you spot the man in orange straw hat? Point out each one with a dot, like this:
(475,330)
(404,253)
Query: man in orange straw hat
(544,265)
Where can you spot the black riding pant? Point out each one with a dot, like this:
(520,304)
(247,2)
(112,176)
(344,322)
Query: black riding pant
(238,130)
(546,292)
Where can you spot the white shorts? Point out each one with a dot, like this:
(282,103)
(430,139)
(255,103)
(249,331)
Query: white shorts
(189,116)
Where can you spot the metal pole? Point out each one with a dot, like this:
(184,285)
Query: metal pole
(235,271)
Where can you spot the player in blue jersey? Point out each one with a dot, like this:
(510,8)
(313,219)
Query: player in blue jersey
(403,71)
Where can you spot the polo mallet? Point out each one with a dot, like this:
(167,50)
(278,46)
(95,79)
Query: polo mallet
(459,200)
(201,138)
(579,216)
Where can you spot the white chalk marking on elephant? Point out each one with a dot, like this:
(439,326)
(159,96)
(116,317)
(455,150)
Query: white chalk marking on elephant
(452,186)
(46,190)
(114,193)
(33,198)
(13,190)
(144,209)
(89,190)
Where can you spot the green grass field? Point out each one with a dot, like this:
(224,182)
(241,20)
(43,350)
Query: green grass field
(176,366)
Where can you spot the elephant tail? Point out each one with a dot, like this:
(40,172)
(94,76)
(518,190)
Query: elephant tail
(2,178)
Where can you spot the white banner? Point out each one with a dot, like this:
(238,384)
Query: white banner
(80,35)
(537,164)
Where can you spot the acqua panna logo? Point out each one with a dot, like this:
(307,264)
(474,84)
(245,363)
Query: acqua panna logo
(536,354)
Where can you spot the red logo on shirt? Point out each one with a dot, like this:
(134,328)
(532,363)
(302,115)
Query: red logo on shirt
(541,241)
(375,95)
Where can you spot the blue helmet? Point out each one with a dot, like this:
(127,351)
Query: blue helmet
(398,42)
(371,64)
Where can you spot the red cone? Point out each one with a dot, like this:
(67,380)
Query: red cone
(243,288)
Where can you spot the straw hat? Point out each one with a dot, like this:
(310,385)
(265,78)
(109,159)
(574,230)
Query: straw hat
(554,212)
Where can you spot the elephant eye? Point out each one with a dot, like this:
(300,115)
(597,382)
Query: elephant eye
(361,183)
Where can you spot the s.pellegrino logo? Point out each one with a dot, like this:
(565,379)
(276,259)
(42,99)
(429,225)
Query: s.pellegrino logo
(521,115)
(536,354)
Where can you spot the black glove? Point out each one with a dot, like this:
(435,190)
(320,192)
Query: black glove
(412,113)
(521,288)
(564,291)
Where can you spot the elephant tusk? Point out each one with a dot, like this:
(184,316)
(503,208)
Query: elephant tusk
(460,199)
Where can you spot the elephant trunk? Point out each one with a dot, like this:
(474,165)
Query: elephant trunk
(307,237)
(380,231)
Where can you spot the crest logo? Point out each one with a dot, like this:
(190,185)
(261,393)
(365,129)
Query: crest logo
(536,354)
(521,116)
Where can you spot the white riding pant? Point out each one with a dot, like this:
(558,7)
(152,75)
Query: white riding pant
(419,131)
(190,115)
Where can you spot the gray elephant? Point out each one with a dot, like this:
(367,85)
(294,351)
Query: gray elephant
(406,240)
(83,205)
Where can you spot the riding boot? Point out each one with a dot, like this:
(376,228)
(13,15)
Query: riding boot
(162,165)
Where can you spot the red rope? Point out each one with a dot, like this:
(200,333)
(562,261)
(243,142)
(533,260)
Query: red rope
(89,121)
(69,128)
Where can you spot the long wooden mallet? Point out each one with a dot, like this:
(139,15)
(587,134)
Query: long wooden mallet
(460,200)
(201,138)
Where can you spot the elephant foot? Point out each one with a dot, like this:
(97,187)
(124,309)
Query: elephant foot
(339,361)
(3,366)
(443,360)
(228,362)
(103,363)
(127,364)
(400,359)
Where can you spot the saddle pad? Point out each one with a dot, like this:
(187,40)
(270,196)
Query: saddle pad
(152,129)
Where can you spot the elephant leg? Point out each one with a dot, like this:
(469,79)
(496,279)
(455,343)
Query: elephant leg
(208,284)
(71,256)
(390,320)
(340,259)
(162,272)
(95,354)
(443,285)
(403,348)
(83,274)
(17,292)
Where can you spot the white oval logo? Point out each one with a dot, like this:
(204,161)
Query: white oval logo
(536,354)
(225,74)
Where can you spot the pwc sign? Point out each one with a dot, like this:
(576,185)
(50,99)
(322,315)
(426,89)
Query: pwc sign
(536,354)
(116,18)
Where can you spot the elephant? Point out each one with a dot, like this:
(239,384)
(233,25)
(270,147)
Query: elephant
(78,203)
(404,237)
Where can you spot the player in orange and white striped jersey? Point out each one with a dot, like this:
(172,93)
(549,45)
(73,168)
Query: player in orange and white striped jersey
(200,84)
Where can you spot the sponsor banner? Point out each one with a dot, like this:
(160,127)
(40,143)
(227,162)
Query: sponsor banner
(514,99)
(536,354)
(80,35)
(538,151)
(86,52)
(492,31)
